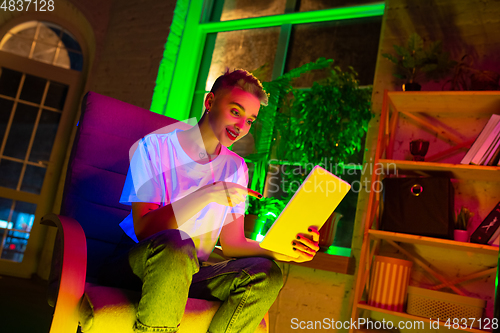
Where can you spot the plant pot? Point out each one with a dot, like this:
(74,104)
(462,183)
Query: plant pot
(250,220)
(327,231)
(411,86)
(461,235)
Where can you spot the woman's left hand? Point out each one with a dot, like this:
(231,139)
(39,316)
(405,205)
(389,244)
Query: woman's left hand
(306,245)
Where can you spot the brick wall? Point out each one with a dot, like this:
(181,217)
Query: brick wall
(129,62)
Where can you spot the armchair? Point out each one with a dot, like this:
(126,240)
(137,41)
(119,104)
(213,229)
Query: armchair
(88,227)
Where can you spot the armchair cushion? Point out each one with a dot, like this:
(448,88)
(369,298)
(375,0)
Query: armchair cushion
(112,310)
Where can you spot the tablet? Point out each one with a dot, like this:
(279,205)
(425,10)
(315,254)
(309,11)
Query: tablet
(312,204)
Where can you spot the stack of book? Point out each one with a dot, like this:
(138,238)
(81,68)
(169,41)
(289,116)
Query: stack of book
(486,148)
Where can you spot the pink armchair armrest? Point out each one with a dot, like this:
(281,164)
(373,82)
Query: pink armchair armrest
(72,270)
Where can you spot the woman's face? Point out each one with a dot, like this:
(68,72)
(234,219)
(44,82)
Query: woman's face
(232,113)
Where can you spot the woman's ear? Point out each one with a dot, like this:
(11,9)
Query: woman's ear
(209,101)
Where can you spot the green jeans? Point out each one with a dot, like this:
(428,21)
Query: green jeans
(165,267)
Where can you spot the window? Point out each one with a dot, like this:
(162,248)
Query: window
(33,110)
(271,37)
(44,42)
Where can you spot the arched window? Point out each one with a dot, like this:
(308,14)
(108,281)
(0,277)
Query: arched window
(44,42)
(41,64)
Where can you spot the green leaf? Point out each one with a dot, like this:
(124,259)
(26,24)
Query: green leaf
(415,42)
(402,52)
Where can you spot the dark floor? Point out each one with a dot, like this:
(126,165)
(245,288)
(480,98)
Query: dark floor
(23,305)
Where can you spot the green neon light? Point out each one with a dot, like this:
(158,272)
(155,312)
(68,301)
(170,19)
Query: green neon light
(334,14)
(339,251)
(179,69)
(170,56)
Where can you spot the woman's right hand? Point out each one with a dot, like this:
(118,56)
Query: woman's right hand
(227,193)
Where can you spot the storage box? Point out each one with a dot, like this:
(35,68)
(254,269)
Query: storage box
(418,206)
(390,278)
(443,306)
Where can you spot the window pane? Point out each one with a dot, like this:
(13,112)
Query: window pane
(48,35)
(20,131)
(22,219)
(44,53)
(9,82)
(23,215)
(69,60)
(9,173)
(46,38)
(247,49)
(56,96)
(45,136)
(33,88)
(5,111)
(309,5)
(33,179)
(26,30)
(76,60)
(5,207)
(70,43)
(62,59)
(16,45)
(15,245)
(349,42)
(238,9)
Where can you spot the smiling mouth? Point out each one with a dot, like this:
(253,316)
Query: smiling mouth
(232,135)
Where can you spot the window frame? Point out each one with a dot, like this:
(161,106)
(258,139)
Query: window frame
(183,71)
(50,197)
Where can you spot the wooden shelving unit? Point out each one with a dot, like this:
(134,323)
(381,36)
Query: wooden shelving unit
(437,242)
(458,171)
(427,110)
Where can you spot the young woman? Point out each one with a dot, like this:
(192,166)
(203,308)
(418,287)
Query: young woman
(188,191)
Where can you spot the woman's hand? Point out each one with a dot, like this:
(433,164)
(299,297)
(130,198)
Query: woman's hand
(306,246)
(227,193)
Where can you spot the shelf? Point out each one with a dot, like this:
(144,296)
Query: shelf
(438,242)
(446,101)
(455,117)
(411,317)
(459,171)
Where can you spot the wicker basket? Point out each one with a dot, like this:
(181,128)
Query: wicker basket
(443,306)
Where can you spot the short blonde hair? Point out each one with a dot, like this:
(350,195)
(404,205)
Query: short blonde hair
(242,79)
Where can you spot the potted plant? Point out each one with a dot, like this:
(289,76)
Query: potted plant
(264,129)
(462,219)
(336,108)
(261,215)
(466,77)
(264,133)
(416,63)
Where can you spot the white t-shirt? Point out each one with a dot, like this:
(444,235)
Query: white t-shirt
(161,172)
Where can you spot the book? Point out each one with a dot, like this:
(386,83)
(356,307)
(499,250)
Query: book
(496,157)
(487,229)
(481,154)
(485,132)
(494,240)
(491,157)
